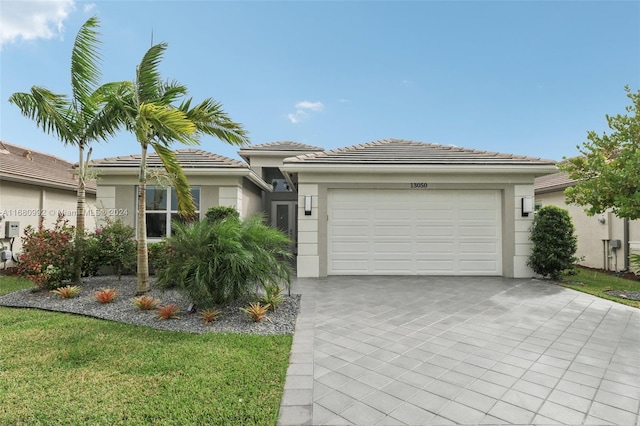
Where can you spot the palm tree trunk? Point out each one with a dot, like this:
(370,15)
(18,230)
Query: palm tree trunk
(143,258)
(80,208)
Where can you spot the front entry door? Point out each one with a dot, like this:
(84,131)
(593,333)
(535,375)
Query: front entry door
(284,216)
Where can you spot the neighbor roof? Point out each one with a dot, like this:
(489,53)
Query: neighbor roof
(188,158)
(19,164)
(398,152)
(552,183)
(282,146)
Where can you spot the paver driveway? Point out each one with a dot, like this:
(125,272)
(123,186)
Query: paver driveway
(440,350)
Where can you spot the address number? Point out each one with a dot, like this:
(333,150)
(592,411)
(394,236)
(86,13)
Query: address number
(418,185)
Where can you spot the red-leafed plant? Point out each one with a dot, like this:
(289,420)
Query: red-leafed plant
(210,315)
(166,312)
(105,295)
(67,292)
(256,311)
(145,303)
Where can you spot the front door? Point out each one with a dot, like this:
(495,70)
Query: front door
(284,216)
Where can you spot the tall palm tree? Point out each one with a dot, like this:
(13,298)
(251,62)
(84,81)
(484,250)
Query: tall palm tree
(149,111)
(79,120)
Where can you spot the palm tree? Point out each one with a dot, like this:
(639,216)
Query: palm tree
(149,111)
(79,120)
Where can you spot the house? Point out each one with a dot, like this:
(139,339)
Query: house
(35,184)
(604,240)
(391,207)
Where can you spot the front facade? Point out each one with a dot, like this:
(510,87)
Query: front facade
(391,207)
(35,185)
(604,240)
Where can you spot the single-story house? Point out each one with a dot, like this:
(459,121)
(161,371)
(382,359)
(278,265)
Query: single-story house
(604,240)
(34,184)
(391,207)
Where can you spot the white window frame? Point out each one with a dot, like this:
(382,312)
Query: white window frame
(170,209)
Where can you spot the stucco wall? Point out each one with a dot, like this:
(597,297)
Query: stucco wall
(25,203)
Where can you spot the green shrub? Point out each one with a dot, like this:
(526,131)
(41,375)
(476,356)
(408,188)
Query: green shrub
(218,262)
(159,256)
(47,254)
(112,245)
(215,214)
(554,242)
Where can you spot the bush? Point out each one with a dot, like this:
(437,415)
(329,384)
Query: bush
(554,242)
(47,254)
(215,214)
(218,262)
(159,256)
(113,245)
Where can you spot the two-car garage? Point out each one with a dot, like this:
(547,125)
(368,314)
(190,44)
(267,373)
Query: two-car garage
(414,232)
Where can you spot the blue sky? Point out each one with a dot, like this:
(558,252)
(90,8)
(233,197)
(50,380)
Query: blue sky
(522,77)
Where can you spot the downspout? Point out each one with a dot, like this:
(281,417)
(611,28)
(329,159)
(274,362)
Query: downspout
(627,244)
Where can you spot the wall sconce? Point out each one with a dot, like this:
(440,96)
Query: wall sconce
(307,205)
(602,220)
(527,206)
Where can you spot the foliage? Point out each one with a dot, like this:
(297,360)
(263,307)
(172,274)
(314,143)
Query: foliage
(599,283)
(166,312)
(149,110)
(210,315)
(218,213)
(256,311)
(145,303)
(67,292)
(105,295)
(634,259)
(85,117)
(128,373)
(607,170)
(117,245)
(554,242)
(227,260)
(47,254)
(159,255)
(272,296)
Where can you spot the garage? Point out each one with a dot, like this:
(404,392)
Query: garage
(414,232)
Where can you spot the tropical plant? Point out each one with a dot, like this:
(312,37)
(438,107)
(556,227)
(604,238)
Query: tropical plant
(67,292)
(159,255)
(105,295)
(218,262)
(166,312)
(47,254)
(256,311)
(117,245)
(217,213)
(150,112)
(210,315)
(554,242)
(272,296)
(634,259)
(79,120)
(145,303)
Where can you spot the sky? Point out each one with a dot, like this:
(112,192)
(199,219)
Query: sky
(520,77)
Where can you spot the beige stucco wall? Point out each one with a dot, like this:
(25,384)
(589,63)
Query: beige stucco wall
(594,232)
(312,230)
(252,201)
(26,203)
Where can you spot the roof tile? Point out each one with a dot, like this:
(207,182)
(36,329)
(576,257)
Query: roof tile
(282,146)
(188,158)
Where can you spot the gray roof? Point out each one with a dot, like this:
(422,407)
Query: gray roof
(20,164)
(552,183)
(282,146)
(398,151)
(188,158)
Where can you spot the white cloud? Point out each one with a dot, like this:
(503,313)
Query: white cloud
(30,20)
(88,7)
(302,110)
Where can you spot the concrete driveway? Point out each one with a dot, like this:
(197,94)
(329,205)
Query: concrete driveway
(445,350)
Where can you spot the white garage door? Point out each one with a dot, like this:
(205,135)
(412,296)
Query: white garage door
(414,232)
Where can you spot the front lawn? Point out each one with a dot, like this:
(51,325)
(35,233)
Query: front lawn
(67,370)
(598,283)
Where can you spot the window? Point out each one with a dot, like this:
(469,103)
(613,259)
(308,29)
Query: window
(538,205)
(162,208)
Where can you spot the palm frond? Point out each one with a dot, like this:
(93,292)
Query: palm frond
(85,74)
(168,124)
(50,111)
(148,80)
(112,110)
(210,119)
(171,91)
(186,206)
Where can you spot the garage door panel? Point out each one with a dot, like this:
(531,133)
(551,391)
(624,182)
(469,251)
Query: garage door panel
(398,232)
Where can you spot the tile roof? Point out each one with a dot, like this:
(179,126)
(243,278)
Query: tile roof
(188,158)
(282,146)
(398,151)
(20,164)
(552,183)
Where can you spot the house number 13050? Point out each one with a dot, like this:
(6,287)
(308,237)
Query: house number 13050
(418,185)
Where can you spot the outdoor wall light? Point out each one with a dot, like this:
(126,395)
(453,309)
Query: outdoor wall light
(307,205)
(527,206)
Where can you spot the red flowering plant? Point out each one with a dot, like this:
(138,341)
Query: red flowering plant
(47,254)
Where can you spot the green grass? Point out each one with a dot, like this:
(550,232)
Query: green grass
(62,369)
(596,283)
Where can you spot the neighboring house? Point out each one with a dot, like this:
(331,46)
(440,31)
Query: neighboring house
(604,240)
(391,207)
(34,184)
